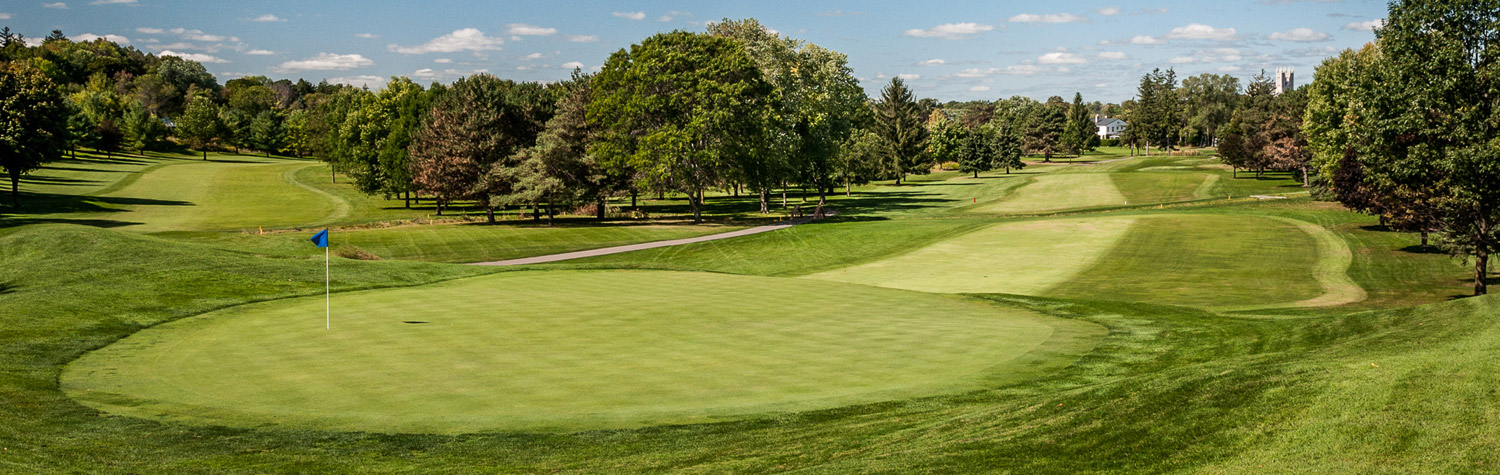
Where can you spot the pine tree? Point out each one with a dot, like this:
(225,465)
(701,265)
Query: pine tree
(899,122)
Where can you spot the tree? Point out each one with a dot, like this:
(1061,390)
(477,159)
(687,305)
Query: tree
(859,160)
(559,169)
(200,124)
(900,123)
(1208,101)
(1425,131)
(33,123)
(1005,146)
(1157,116)
(1044,131)
(266,132)
(677,108)
(142,129)
(1244,141)
(1080,127)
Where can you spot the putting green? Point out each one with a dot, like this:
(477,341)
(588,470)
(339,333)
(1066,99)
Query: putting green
(225,195)
(1017,258)
(1059,191)
(568,350)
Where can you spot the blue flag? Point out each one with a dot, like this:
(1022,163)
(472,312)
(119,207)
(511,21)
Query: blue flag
(321,239)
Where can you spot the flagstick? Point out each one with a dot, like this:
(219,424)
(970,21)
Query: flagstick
(327,294)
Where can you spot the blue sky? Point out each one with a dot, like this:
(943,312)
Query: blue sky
(947,50)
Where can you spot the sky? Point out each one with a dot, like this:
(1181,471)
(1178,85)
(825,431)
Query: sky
(960,50)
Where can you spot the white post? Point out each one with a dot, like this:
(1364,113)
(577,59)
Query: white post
(327,294)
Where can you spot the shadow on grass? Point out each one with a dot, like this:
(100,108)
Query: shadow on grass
(7,288)
(1420,249)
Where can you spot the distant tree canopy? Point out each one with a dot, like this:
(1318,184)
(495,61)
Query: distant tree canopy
(33,122)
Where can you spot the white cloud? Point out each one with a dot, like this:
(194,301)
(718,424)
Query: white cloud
(4,16)
(372,82)
(91,37)
(34,42)
(58,5)
(1365,25)
(1199,31)
(112,2)
(1101,85)
(268,18)
(1048,18)
(909,77)
(1111,55)
(1228,69)
(202,58)
(1183,60)
(1060,57)
(199,35)
(150,31)
(1109,11)
(931,62)
(582,38)
(442,60)
(467,39)
(1146,40)
(637,16)
(260,52)
(533,56)
(368,36)
(523,29)
(326,62)
(979,88)
(1299,34)
(1024,69)
(572,65)
(950,31)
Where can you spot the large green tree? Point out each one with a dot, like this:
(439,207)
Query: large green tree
(1080,129)
(901,123)
(200,125)
(33,123)
(1044,129)
(559,169)
(1208,101)
(1157,116)
(1424,129)
(677,109)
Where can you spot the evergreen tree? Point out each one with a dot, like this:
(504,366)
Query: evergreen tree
(1080,127)
(900,123)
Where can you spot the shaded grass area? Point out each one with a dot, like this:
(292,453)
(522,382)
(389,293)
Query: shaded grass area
(1169,389)
(522,351)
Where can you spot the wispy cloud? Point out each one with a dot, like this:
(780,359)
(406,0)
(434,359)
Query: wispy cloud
(582,38)
(113,2)
(327,62)
(1299,34)
(150,31)
(91,37)
(1199,31)
(268,18)
(1048,18)
(950,31)
(1365,25)
(528,30)
(1061,57)
(368,36)
(202,58)
(260,52)
(637,16)
(931,62)
(1108,11)
(58,5)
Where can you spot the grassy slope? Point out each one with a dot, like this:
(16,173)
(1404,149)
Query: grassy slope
(524,351)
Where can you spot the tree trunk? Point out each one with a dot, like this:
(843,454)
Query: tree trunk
(550,212)
(632,198)
(697,212)
(536,212)
(1305,182)
(408,199)
(783,196)
(1424,239)
(765,201)
(803,190)
(333,176)
(599,210)
(976,173)
(489,212)
(205,155)
(439,206)
(848,187)
(15,189)
(1481,271)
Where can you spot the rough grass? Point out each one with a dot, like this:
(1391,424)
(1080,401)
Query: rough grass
(567,351)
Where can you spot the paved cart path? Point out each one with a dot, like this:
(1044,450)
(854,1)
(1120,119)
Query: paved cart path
(647,245)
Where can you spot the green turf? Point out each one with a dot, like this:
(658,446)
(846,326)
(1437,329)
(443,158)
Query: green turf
(1206,261)
(567,351)
(1019,258)
(1053,192)
(1142,187)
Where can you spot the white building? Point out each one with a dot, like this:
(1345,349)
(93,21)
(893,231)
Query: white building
(1285,80)
(1109,127)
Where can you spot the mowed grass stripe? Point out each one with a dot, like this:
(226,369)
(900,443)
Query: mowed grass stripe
(1058,191)
(1016,258)
(1208,261)
(568,350)
(478,242)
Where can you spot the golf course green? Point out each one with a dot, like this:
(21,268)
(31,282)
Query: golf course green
(568,351)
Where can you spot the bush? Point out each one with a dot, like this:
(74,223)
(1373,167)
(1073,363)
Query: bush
(1109,143)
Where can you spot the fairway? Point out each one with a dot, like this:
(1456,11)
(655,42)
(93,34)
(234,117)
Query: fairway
(225,195)
(1017,258)
(1059,191)
(568,350)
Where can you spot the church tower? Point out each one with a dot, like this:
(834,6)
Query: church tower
(1285,80)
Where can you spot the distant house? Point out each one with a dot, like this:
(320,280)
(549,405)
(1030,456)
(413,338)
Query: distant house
(1109,127)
